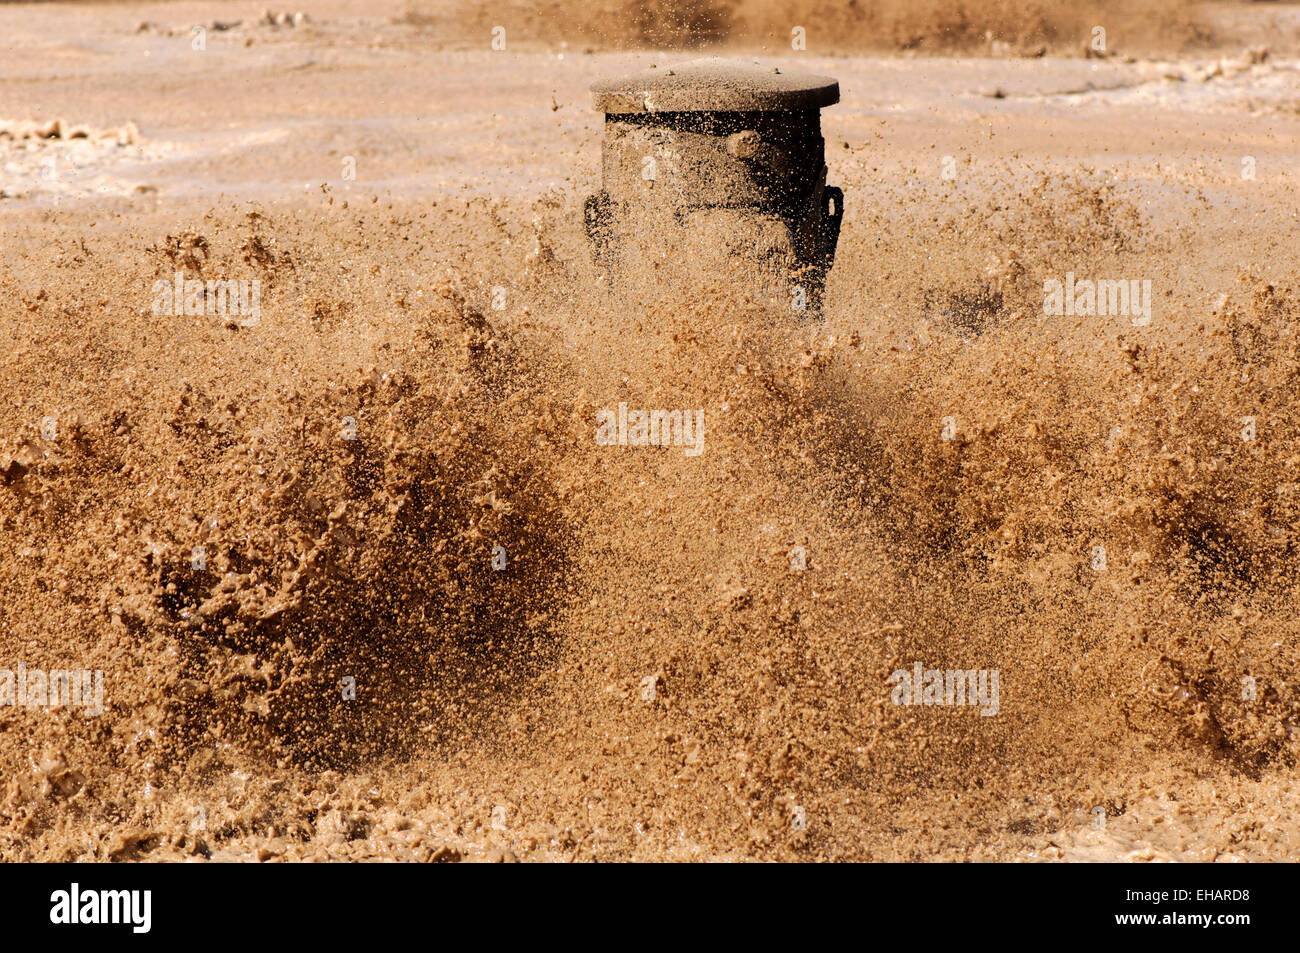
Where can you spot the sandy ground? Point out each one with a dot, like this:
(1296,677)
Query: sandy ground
(648,678)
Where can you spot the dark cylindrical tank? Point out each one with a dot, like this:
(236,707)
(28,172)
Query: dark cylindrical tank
(735,146)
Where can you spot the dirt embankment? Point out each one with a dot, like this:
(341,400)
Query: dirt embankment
(927,26)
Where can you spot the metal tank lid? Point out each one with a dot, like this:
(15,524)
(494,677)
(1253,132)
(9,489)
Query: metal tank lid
(714,85)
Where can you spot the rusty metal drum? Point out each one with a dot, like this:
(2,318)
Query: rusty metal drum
(732,148)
